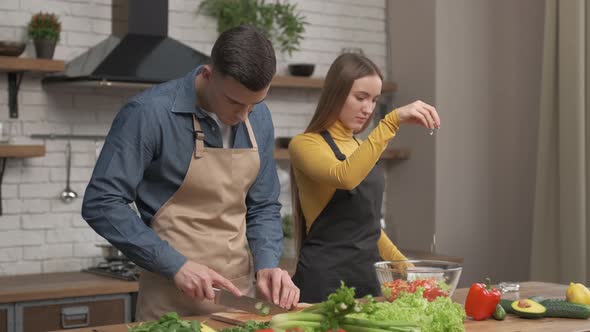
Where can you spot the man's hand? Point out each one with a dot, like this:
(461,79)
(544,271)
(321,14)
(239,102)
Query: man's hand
(276,286)
(197,281)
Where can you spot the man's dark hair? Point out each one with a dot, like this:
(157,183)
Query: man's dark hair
(245,54)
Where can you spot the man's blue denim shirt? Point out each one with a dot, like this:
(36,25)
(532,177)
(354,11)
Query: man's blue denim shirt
(145,157)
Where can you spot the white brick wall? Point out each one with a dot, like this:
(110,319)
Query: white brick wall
(39,233)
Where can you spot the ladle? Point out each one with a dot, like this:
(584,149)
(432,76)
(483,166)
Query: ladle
(68,195)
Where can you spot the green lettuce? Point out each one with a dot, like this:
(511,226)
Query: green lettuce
(440,315)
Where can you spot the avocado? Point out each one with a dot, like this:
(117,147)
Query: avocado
(526,308)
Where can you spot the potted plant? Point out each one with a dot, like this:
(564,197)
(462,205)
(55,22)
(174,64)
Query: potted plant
(280,21)
(44,29)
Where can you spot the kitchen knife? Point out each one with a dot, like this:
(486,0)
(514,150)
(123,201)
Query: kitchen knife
(246,303)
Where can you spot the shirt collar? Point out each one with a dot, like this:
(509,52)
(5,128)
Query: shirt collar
(186,99)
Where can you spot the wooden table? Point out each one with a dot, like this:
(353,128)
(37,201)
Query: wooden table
(510,324)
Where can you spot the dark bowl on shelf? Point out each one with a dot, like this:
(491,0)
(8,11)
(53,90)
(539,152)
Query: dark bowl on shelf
(301,69)
(12,48)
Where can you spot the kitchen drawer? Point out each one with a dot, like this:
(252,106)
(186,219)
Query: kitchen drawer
(72,313)
(6,318)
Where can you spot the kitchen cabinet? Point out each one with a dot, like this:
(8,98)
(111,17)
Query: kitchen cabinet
(6,318)
(66,300)
(72,313)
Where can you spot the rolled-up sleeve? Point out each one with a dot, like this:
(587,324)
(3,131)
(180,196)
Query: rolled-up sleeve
(128,150)
(264,229)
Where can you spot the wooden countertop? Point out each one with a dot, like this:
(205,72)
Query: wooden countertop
(514,324)
(510,324)
(60,285)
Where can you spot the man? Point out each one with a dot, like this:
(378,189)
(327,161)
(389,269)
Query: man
(196,156)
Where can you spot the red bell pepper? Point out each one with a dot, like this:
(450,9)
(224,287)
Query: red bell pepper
(482,300)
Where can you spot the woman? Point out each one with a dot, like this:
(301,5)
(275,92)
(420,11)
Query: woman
(337,188)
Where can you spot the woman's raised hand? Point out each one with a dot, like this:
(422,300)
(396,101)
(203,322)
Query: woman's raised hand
(419,113)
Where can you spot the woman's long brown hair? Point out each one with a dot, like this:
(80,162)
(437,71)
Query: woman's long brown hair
(343,72)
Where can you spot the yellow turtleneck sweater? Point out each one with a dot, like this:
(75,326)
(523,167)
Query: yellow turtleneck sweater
(319,173)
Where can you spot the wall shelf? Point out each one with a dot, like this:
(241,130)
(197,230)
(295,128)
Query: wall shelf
(15,67)
(14,64)
(21,151)
(389,154)
(16,151)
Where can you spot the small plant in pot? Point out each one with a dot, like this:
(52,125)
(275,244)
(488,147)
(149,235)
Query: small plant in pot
(44,29)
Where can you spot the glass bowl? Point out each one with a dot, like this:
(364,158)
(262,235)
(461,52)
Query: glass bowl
(438,278)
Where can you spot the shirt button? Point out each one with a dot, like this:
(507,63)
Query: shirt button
(213,129)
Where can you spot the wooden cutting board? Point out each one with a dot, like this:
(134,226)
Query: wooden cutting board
(238,317)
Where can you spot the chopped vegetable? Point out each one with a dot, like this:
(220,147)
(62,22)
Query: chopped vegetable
(432,288)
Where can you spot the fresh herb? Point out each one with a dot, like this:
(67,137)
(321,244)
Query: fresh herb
(249,326)
(169,322)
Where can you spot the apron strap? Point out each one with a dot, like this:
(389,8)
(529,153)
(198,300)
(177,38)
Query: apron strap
(328,138)
(251,135)
(199,138)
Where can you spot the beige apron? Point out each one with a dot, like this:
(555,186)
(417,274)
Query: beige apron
(205,220)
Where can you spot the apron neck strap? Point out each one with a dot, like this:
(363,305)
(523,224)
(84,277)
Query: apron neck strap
(251,135)
(328,138)
(199,137)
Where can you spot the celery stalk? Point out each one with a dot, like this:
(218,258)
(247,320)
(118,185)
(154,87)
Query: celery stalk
(377,324)
(295,323)
(297,316)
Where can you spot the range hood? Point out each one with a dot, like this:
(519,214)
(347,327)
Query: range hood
(138,52)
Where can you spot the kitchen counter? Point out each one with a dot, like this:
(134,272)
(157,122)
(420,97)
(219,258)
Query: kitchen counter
(35,287)
(513,323)
(510,324)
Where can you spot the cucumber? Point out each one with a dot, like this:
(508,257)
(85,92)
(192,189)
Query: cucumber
(506,305)
(564,309)
(500,313)
(537,298)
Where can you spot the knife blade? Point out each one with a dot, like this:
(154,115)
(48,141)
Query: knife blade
(246,303)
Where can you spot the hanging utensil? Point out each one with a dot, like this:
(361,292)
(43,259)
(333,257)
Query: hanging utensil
(68,195)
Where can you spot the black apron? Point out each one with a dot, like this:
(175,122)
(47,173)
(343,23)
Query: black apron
(342,241)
